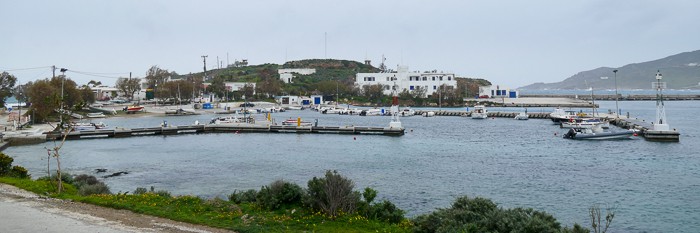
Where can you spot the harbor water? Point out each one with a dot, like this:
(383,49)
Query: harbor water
(653,186)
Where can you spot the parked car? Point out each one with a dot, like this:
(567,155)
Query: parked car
(246,104)
(118,101)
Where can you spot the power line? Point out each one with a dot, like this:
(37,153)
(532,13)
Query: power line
(31,68)
(93,74)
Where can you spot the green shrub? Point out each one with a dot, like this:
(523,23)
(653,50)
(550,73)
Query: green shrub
(140,190)
(81,180)
(19,172)
(482,215)
(387,212)
(279,193)
(90,189)
(5,164)
(332,194)
(243,197)
(163,193)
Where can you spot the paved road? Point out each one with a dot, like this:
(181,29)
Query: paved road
(22,211)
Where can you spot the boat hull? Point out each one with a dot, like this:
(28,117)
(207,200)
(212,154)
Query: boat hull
(600,136)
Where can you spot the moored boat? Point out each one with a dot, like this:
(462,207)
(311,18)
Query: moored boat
(522,116)
(480,112)
(180,112)
(293,122)
(561,115)
(597,133)
(231,119)
(133,109)
(407,112)
(96,115)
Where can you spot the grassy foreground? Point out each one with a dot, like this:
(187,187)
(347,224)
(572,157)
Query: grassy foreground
(243,217)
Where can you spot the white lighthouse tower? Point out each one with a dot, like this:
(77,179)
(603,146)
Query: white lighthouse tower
(660,123)
(660,130)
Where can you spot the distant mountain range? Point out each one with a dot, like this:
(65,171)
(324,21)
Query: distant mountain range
(680,71)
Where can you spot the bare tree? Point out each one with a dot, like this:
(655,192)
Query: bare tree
(55,153)
(129,86)
(595,214)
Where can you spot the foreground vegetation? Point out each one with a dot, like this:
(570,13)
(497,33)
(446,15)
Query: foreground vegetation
(328,204)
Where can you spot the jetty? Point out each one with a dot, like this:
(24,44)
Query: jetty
(224,128)
(645,128)
(536,115)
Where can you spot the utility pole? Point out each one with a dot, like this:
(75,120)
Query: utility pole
(54,71)
(205,66)
(129,88)
(617,107)
(325,45)
(63,80)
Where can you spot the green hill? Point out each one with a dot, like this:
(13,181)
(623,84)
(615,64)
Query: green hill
(331,77)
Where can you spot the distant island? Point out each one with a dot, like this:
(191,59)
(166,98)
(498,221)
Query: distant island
(680,71)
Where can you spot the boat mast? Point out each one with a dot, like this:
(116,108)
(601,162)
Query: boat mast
(395,122)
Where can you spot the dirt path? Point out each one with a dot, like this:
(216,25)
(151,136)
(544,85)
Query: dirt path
(23,211)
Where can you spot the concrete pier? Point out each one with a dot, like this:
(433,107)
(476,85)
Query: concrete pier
(223,128)
(535,115)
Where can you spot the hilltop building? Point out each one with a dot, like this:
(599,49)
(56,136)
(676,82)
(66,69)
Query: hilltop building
(402,80)
(286,75)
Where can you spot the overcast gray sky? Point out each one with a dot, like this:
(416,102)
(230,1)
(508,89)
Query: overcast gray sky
(511,43)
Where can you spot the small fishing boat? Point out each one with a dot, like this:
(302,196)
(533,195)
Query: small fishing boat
(180,112)
(429,114)
(561,115)
(373,112)
(85,126)
(597,133)
(96,115)
(522,116)
(407,112)
(231,119)
(585,123)
(480,112)
(293,122)
(133,109)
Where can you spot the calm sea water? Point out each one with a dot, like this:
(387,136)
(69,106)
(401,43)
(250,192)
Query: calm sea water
(654,186)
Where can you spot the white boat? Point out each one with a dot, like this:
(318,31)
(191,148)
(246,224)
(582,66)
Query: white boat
(373,112)
(96,115)
(295,107)
(480,112)
(407,112)
(180,112)
(333,111)
(231,119)
(429,114)
(597,133)
(293,122)
(561,115)
(85,126)
(584,123)
(522,116)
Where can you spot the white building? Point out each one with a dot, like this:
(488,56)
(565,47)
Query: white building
(237,86)
(286,74)
(497,92)
(405,80)
(103,93)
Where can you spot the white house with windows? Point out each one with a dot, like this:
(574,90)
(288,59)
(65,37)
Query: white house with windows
(498,91)
(286,74)
(402,79)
